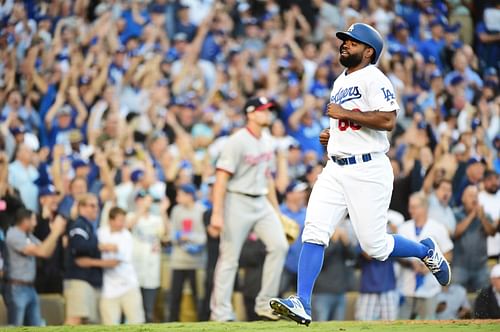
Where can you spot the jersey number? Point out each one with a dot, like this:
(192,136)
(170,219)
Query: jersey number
(344,124)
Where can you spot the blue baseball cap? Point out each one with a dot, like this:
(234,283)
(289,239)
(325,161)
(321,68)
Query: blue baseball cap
(137,175)
(456,80)
(452,28)
(430,59)
(188,188)
(84,80)
(436,21)
(475,160)
(398,49)
(157,9)
(180,36)
(401,25)
(490,71)
(435,74)
(18,130)
(77,163)
(48,191)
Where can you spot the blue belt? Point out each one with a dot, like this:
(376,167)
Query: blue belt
(351,160)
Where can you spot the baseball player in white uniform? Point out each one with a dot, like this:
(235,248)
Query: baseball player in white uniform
(357,178)
(245,199)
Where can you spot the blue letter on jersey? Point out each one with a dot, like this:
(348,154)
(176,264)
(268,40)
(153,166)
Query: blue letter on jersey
(388,95)
(346,94)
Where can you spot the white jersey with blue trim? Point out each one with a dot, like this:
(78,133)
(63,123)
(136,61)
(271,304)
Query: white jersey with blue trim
(367,89)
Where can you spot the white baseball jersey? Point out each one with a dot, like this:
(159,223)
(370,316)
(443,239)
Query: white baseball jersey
(367,89)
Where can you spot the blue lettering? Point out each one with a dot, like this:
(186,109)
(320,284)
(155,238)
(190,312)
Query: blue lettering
(346,94)
(388,95)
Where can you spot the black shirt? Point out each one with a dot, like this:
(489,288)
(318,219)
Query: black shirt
(49,271)
(82,242)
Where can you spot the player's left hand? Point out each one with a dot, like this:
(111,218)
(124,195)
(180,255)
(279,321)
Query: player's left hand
(335,111)
(324,136)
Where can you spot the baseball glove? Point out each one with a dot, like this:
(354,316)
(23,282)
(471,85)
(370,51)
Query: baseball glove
(291,228)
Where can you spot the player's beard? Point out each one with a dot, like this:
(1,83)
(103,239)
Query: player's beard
(352,60)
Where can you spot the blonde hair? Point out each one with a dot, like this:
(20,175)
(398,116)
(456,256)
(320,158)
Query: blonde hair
(422,197)
(85,198)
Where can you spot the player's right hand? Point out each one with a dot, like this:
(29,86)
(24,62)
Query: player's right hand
(216,225)
(324,136)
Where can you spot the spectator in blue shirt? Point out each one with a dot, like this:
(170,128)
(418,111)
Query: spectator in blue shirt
(26,113)
(305,127)
(434,45)
(294,206)
(184,23)
(409,11)
(473,81)
(22,176)
(487,46)
(401,38)
(62,118)
(135,19)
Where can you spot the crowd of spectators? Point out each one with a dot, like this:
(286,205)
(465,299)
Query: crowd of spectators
(113,113)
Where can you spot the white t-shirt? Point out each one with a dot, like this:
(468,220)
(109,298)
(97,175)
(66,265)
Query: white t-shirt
(146,235)
(407,279)
(118,280)
(367,89)
(491,205)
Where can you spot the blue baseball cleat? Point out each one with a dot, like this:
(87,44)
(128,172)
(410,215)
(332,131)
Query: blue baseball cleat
(436,262)
(292,308)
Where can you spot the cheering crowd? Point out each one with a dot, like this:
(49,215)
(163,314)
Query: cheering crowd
(113,114)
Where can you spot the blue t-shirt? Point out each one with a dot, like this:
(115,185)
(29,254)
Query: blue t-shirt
(308,138)
(486,52)
(132,28)
(210,49)
(60,135)
(411,15)
(291,106)
(431,47)
(377,276)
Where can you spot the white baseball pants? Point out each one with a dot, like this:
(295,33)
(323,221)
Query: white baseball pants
(364,191)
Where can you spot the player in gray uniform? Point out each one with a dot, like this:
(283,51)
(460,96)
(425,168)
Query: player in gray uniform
(245,199)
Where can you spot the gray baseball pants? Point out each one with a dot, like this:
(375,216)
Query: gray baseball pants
(242,214)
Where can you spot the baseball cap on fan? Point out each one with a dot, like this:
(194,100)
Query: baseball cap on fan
(495,271)
(258,104)
(296,186)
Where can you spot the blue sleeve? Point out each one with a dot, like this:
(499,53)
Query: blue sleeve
(43,175)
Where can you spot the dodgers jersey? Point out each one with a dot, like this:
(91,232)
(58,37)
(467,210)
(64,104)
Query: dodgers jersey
(367,89)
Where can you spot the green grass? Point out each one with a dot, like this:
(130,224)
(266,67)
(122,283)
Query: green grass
(282,326)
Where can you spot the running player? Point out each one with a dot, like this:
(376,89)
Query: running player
(358,177)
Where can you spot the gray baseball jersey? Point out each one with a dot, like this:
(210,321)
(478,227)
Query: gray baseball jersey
(248,159)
